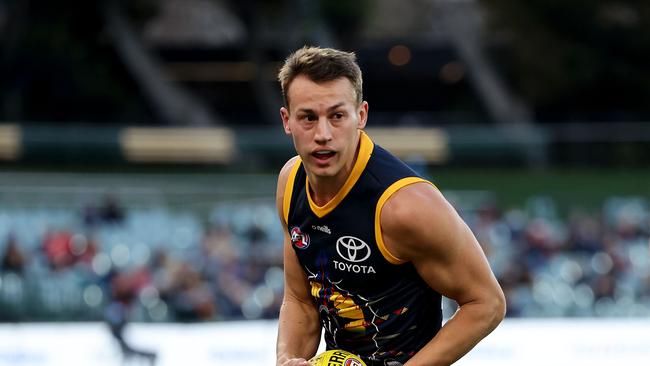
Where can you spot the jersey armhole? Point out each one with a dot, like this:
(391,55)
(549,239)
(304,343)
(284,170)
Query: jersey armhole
(380,204)
(288,191)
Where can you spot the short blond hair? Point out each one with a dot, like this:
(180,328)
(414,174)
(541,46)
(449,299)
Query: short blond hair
(321,65)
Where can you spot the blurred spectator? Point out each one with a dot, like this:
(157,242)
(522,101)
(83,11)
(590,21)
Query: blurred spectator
(13,259)
(57,249)
(585,232)
(84,249)
(123,290)
(191,298)
(91,216)
(110,211)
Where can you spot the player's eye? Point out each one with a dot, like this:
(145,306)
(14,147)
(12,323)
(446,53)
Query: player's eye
(308,117)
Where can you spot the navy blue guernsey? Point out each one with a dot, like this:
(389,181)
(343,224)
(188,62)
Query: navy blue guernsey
(370,302)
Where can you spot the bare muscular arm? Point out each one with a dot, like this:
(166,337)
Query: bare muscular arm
(299,325)
(420,226)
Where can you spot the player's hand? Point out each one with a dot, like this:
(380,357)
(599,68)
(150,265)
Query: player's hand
(294,362)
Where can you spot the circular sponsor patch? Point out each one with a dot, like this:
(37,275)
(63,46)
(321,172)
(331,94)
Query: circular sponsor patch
(298,238)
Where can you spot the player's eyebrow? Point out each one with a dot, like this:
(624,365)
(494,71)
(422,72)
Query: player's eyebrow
(329,109)
(306,110)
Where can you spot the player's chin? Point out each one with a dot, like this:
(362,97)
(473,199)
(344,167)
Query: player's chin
(322,169)
(321,175)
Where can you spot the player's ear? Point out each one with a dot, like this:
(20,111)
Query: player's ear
(363,114)
(284,114)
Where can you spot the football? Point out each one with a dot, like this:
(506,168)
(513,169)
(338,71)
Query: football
(336,357)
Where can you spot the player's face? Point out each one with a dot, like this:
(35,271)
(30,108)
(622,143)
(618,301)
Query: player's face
(324,121)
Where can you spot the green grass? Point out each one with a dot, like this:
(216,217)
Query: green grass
(587,188)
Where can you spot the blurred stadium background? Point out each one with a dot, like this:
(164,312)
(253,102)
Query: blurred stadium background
(140,140)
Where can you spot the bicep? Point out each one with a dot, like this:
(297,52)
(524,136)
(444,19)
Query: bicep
(422,227)
(459,270)
(296,285)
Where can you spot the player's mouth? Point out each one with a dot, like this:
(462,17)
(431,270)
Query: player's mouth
(322,156)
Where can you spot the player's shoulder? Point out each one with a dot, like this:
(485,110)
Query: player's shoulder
(412,215)
(286,170)
(283,178)
(413,193)
(412,204)
(284,174)
(288,166)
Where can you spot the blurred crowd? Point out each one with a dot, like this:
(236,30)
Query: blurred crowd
(576,263)
(223,267)
(113,263)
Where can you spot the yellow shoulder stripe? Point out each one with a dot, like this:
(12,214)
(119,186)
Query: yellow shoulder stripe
(380,204)
(288,191)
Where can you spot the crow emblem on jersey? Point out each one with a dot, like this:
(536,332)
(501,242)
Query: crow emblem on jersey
(298,238)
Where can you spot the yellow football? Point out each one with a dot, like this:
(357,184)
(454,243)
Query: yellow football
(336,357)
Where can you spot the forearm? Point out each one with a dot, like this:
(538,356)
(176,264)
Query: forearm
(298,331)
(471,323)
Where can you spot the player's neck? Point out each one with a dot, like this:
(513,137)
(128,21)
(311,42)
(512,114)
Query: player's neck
(324,189)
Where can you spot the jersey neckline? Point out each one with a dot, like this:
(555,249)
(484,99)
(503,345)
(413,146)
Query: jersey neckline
(365,151)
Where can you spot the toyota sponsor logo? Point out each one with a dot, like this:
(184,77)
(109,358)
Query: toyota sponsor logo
(352,249)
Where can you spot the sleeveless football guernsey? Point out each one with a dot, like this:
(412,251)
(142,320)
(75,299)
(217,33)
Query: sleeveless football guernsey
(370,302)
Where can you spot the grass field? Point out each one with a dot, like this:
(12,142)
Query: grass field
(584,188)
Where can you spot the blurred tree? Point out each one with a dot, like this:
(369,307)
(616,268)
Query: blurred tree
(82,61)
(58,65)
(345,19)
(577,60)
